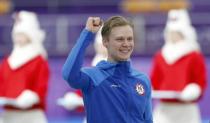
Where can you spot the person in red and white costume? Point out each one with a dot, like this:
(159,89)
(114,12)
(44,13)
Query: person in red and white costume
(74,100)
(24,73)
(179,67)
(101,51)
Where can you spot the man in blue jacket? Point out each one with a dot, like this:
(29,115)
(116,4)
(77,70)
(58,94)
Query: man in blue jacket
(113,91)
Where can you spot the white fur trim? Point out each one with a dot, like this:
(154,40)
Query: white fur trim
(173,52)
(191,92)
(70,101)
(22,55)
(27,99)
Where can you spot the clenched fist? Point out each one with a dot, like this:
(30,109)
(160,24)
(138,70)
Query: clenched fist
(93,24)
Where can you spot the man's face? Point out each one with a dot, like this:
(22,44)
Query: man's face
(120,43)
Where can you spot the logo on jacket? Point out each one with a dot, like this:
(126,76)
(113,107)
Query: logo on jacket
(115,86)
(140,89)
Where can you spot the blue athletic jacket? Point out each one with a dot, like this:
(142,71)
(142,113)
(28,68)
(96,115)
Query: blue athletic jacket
(112,92)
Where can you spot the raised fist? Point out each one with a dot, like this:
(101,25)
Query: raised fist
(93,24)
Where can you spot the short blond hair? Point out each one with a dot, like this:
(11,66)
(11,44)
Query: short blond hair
(114,21)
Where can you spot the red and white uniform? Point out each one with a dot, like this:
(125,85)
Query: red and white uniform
(179,67)
(175,77)
(32,76)
(26,77)
(24,74)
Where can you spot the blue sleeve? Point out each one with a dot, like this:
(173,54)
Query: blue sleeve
(148,111)
(72,68)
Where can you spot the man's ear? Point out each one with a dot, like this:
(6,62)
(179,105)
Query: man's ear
(105,42)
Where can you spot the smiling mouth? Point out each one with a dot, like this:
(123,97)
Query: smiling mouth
(125,51)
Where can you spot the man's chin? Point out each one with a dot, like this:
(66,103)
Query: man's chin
(124,59)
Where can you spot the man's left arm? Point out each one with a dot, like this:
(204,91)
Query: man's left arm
(148,109)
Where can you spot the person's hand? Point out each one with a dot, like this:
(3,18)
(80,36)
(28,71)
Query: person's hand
(70,101)
(93,24)
(27,99)
(191,92)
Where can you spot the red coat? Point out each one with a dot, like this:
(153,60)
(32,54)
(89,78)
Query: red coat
(188,69)
(33,75)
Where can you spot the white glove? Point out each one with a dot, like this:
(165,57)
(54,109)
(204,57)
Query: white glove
(191,92)
(70,101)
(27,99)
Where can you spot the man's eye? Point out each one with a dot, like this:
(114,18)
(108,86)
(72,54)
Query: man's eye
(119,39)
(130,39)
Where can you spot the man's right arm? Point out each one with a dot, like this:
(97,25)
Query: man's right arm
(72,68)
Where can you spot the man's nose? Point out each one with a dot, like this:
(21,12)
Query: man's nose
(126,43)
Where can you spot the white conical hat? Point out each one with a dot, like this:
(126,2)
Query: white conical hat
(178,17)
(27,23)
(179,20)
